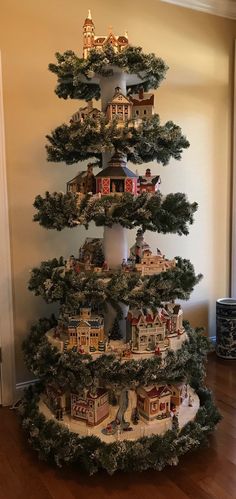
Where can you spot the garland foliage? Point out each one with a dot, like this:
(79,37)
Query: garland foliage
(151,141)
(55,443)
(154,212)
(71,289)
(74,372)
(75,74)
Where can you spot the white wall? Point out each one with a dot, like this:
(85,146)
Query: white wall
(197,95)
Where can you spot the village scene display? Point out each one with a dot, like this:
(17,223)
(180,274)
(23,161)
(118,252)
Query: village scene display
(119,362)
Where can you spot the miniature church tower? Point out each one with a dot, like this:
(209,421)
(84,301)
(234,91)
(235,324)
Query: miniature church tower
(88,35)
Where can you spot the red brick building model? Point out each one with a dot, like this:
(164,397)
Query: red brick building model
(154,401)
(90,408)
(148,182)
(143,105)
(116,178)
(157,401)
(97,42)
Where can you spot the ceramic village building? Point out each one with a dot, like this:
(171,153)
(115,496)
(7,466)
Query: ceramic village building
(98,42)
(86,331)
(90,408)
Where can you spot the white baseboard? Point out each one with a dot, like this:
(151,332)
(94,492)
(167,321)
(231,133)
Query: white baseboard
(20,387)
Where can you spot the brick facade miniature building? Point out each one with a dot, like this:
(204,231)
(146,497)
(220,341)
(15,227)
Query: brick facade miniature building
(154,401)
(86,332)
(90,408)
(116,178)
(143,105)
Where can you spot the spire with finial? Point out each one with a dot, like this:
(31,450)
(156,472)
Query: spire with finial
(88,20)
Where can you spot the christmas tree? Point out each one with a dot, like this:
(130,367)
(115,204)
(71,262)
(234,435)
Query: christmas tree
(121,373)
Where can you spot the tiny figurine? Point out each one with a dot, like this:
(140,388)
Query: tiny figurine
(135,416)
(190,401)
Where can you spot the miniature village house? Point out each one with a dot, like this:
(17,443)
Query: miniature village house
(154,401)
(91,408)
(172,315)
(150,264)
(57,401)
(178,393)
(143,105)
(84,112)
(116,178)
(83,183)
(146,330)
(148,182)
(119,107)
(98,42)
(86,331)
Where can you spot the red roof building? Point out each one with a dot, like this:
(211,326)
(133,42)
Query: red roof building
(98,42)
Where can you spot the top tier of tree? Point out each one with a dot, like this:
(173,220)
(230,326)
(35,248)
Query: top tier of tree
(75,75)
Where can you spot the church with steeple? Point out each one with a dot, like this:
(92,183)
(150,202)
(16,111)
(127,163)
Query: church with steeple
(97,42)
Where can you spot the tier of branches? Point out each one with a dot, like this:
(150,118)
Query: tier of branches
(54,441)
(172,213)
(75,372)
(70,70)
(71,289)
(151,141)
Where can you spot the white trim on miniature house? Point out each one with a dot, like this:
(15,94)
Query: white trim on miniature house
(7,362)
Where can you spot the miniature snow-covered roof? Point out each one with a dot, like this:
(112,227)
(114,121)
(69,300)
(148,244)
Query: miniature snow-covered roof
(116,168)
(93,323)
(145,180)
(119,98)
(157,391)
(142,99)
(99,393)
(79,177)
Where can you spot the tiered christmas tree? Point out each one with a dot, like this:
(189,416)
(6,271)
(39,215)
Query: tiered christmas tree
(121,374)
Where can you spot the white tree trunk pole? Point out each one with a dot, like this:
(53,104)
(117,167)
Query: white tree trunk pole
(108,85)
(115,237)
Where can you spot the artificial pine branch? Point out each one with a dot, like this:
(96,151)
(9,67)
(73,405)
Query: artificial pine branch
(75,74)
(151,141)
(172,213)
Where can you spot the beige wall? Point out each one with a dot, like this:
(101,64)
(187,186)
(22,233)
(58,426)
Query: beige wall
(197,94)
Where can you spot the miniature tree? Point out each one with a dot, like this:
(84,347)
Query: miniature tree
(115,333)
(115,71)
